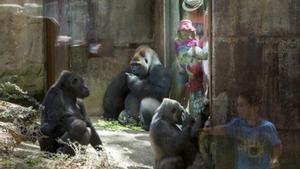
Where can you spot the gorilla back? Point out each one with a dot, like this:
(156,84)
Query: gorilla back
(171,146)
(114,96)
(64,116)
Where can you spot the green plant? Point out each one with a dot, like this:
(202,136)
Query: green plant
(13,93)
(33,160)
(116,126)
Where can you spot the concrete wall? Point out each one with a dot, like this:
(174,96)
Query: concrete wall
(127,23)
(21,49)
(20,2)
(257,43)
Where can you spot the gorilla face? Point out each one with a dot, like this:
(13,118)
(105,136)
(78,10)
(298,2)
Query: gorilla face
(177,113)
(140,63)
(171,110)
(77,87)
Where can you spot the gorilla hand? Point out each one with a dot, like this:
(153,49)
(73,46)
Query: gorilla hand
(132,80)
(188,122)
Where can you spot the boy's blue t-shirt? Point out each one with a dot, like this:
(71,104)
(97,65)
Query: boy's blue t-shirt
(254,144)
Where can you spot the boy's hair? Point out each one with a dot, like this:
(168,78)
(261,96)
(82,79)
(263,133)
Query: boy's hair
(251,96)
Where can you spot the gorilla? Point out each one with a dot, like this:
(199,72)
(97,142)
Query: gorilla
(138,90)
(172,146)
(64,116)
(115,95)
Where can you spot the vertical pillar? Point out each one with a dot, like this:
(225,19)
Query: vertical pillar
(171,20)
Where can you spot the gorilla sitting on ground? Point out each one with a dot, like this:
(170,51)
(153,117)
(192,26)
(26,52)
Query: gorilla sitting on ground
(138,90)
(172,146)
(64,116)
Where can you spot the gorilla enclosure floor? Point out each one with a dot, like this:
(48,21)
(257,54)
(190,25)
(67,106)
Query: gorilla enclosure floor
(122,150)
(128,150)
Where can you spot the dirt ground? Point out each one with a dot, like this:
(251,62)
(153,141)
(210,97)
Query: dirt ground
(128,149)
(122,150)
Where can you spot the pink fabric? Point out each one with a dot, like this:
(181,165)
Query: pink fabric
(185,44)
(195,84)
(186,24)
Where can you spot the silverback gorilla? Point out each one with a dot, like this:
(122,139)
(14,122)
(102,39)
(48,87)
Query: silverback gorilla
(172,146)
(64,116)
(139,89)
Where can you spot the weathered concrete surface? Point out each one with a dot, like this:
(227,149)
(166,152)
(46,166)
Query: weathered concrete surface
(257,44)
(100,71)
(128,23)
(33,9)
(125,21)
(20,2)
(21,50)
(128,150)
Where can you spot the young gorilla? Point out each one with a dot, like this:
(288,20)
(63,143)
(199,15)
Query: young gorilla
(64,116)
(172,146)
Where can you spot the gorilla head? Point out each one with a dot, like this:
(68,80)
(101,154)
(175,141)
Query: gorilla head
(72,84)
(171,111)
(144,58)
(171,145)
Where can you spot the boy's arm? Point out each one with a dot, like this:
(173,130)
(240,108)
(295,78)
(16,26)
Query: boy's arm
(276,152)
(217,130)
(226,129)
(276,145)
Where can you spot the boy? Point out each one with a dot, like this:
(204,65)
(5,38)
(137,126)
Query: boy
(258,144)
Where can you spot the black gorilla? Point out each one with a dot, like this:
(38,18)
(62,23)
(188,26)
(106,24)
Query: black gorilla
(172,146)
(114,96)
(64,116)
(138,90)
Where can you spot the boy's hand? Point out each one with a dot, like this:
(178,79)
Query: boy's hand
(275,164)
(204,130)
(188,122)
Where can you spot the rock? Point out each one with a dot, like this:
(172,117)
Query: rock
(7,140)
(22,121)
(10,92)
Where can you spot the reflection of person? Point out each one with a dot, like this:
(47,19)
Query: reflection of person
(258,144)
(185,39)
(196,11)
(187,51)
(196,84)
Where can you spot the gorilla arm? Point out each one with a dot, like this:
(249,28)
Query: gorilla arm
(95,140)
(168,140)
(157,85)
(52,121)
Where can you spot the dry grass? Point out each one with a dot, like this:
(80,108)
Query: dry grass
(84,158)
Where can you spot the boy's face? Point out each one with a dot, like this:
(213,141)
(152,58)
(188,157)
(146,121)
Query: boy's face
(245,110)
(243,107)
